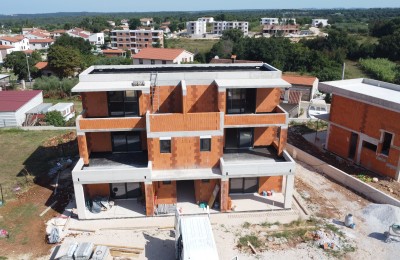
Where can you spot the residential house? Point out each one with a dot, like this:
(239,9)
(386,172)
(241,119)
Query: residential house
(67,110)
(168,136)
(146,21)
(220,26)
(152,56)
(111,23)
(269,21)
(206,19)
(363,124)
(14,105)
(280,30)
(95,39)
(114,53)
(57,33)
(136,40)
(306,86)
(40,44)
(4,51)
(44,68)
(18,43)
(319,22)
(196,28)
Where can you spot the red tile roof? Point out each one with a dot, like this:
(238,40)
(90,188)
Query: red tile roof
(113,51)
(11,101)
(38,34)
(5,47)
(41,65)
(59,31)
(158,54)
(41,40)
(28,51)
(299,80)
(12,38)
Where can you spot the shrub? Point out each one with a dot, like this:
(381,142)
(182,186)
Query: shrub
(380,69)
(54,87)
(54,118)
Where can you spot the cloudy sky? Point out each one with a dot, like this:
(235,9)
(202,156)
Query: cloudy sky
(50,6)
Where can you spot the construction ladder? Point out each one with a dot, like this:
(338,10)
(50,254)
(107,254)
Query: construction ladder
(155,92)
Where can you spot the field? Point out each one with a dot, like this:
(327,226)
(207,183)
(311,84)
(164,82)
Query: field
(22,159)
(192,45)
(353,70)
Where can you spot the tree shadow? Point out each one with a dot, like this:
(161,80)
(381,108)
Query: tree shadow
(157,248)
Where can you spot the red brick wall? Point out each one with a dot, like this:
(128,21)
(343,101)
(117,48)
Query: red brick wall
(169,99)
(267,99)
(222,102)
(93,190)
(224,193)
(201,99)
(270,183)
(255,119)
(83,149)
(149,191)
(95,104)
(116,123)
(100,142)
(204,190)
(144,103)
(264,136)
(185,153)
(339,140)
(165,193)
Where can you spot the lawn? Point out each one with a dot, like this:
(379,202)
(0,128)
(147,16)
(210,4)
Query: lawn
(353,70)
(192,45)
(23,150)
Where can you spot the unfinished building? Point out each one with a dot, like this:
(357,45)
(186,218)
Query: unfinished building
(151,137)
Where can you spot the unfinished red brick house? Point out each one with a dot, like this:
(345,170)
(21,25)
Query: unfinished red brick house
(155,137)
(364,124)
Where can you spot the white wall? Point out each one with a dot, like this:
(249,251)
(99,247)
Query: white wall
(39,46)
(315,22)
(97,39)
(184,56)
(199,27)
(148,62)
(269,21)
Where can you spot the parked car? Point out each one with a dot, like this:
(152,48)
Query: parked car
(317,107)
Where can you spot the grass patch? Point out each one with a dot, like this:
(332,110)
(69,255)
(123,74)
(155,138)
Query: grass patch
(268,224)
(246,225)
(334,229)
(353,70)
(364,178)
(3,258)
(23,158)
(192,45)
(249,238)
(309,126)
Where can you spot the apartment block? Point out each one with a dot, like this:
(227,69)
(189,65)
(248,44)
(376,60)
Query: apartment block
(364,124)
(269,21)
(135,40)
(206,19)
(220,26)
(196,27)
(152,137)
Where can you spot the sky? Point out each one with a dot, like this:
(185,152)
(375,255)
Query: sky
(52,6)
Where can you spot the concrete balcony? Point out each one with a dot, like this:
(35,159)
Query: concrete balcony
(190,122)
(256,162)
(109,124)
(276,118)
(113,168)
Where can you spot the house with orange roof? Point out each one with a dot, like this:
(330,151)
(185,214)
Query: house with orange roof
(114,53)
(152,56)
(306,86)
(40,44)
(44,68)
(4,51)
(57,33)
(19,42)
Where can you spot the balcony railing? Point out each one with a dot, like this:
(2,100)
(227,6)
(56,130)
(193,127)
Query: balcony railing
(278,117)
(109,123)
(185,122)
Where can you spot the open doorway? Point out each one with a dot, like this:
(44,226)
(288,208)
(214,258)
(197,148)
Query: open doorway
(185,192)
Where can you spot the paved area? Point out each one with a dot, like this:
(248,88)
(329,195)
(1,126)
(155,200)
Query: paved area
(103,160)
(253,154)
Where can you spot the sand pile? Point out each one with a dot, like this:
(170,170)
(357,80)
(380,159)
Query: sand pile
(380,216)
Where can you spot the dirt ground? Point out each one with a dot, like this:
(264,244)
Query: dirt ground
(385,184)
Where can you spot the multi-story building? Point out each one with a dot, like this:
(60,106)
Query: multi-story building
(95,39)
(206,19)
(196,27)
(135,40)
(220,26)
(40,44)
(174,135)
(269,21)
(281,30)
(364,123)
(18,43)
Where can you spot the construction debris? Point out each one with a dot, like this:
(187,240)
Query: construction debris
(4,233)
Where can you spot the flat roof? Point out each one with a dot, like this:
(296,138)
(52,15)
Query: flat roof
(61,106)
(376,92)
(109,86)
(252,83)
(40,109)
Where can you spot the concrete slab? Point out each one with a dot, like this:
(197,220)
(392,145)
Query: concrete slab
(256,202)
(112,160)
(130,208)
(252,154)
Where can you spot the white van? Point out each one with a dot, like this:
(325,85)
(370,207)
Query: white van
(194,239)
(317,107)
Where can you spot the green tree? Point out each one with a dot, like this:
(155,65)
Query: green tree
(232,34)
(17,61)
(64,60)
(81,44)
(134,23)
(55,87)
(54,118)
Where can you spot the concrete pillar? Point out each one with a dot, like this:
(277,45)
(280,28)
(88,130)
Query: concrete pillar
(149,191)
(80,200)
(224,195)
(83,149)
(289,186)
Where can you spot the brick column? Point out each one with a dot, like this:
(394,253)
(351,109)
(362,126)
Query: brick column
(83,149)
(148,187)
(224,194)
(282,140)
(221,101)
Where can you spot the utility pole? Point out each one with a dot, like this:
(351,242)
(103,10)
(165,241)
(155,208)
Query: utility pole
(343,70)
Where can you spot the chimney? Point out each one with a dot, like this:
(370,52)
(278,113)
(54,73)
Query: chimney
(233,58)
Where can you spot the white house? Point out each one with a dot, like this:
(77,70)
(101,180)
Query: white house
(196,27)
(317,22)
(220,26)
(96,39)
(146,21)
(40,44)
(206,19)
(269,21)
(288,21)
(153,56)
(19,43)
(67,110)
(4,51)
(14,105)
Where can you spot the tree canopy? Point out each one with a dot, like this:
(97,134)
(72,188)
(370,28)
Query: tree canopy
(134,23)
(64,60)
(17,61)
(81,44)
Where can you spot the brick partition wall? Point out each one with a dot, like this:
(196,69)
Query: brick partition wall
(264,136)
(165,193)
(204,190)
(93,190)
(149,192)
(267,99)
(270,183)
(95,104)
(224,192)
(100,142)
(83,149)
(169,99)
(222,101)
(201,98)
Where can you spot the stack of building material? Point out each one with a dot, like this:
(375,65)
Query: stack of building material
(84,251)
(66,251)
(101,253)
